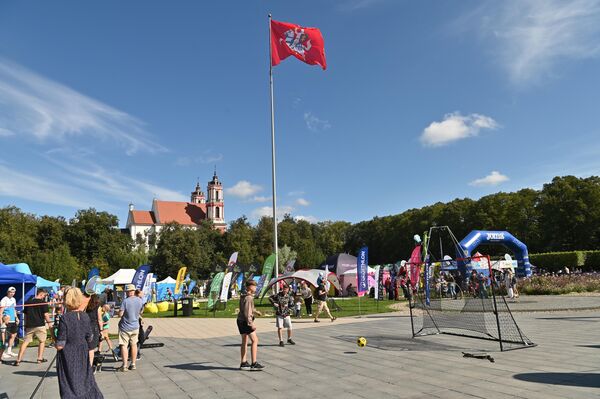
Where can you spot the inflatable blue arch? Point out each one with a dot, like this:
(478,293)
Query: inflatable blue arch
(478,237)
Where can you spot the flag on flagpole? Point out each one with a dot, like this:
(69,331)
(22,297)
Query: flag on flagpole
(306,44)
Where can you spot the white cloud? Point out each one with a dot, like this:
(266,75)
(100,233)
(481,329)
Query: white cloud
(260,198)
(5,132)
(243,189)
(315,124)
(310,219)
(17,184)
(268,211)
(454,127)
(49,111)
(302,202)
(530,37)
(207,157)
(353,5)
(296,193)
(493,179)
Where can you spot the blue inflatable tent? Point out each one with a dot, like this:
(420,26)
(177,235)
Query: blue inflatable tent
(24,283)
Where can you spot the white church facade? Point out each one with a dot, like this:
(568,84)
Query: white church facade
(141,223)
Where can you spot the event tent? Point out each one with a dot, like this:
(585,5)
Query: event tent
(24,284)
(163,285)
(43,283)
(339,263)
(350,277)
(120,277)
(310,276)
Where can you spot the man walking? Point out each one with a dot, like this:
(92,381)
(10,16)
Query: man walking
(322,302)
(282,301)
(129,325)
(8,306)
(36,318)
(307,296)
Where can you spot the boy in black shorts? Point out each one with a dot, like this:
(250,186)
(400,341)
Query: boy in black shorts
(247,329)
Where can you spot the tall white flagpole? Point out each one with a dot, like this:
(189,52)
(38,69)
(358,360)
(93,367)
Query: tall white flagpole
(275,246)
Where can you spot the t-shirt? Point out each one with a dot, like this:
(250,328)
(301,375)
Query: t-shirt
(9,305)
(322,292)
(105,321)
(131,307)
(34,315)
(282,303)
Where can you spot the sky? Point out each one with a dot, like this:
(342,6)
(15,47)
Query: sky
(107,103)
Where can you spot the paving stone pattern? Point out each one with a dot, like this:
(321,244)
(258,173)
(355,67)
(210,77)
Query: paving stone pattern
(327,363)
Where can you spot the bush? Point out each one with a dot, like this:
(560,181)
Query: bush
(557,285)
(555,261)
(592,260)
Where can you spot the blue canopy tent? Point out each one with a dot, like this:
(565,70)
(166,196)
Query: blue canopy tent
(47,284)
(24,283)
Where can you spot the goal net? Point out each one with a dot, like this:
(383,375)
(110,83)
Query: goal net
(464,301)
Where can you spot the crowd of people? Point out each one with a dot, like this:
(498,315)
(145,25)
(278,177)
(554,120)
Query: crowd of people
(76,324)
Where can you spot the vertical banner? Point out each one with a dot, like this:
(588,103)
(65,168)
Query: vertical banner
(415,266)
(139,278)
(362,264)
(266,273)
(215,289)
(380,284)
(93,272)
(427,278)
(260,285)
(179,281)
(228,275)
(376,276)
(289,267)
(147,288)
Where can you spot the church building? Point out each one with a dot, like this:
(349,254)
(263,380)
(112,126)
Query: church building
(188,214)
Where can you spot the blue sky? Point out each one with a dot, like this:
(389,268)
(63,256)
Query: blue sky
(112,102)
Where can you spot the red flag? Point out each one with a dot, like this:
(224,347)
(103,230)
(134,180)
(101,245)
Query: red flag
(306,44)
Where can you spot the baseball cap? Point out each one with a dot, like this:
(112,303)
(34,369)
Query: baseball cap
(12,289)
(129,287)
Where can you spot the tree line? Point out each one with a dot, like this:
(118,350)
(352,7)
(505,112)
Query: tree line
(564,215)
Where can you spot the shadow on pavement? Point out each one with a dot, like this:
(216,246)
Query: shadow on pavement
(200,367)
(238,345)
(588,380)
(590,346)
(37,373)
(403,343)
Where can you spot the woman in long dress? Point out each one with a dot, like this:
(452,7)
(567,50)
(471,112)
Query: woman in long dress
(75,375)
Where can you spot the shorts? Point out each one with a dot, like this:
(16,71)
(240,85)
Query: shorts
(243,327)
(12,328)
(128,337)
(39,332)
(283,322)
(95,339)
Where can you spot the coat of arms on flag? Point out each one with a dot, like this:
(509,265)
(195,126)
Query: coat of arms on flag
(306,44)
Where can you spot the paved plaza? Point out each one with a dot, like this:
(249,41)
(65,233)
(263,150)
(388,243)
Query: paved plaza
(327,363)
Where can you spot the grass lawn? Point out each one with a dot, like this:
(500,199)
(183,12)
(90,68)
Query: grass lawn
(347,307)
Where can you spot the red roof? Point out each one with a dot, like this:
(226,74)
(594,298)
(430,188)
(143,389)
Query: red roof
(142,217)
(184,213)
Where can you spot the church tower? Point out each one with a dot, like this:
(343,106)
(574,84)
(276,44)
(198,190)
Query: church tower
(214,205)
(198,195)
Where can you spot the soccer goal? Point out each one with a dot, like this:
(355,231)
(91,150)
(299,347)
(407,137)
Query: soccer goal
(464,300)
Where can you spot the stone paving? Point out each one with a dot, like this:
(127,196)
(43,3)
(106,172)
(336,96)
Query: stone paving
(327,363)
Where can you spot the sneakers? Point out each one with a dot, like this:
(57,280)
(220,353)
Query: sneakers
(317,321)
(123,369)
(256,367)
(281,343)
(245,366)
(291,342)
(114,355)
(132,367)
(333,319)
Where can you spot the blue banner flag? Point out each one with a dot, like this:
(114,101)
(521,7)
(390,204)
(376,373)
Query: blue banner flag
(139,278)
(93,272)
(362,270)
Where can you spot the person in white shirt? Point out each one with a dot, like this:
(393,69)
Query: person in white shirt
(8,306)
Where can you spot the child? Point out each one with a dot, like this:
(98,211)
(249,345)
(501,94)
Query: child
(104,331)
(3,335)
(298,306)
(247,329)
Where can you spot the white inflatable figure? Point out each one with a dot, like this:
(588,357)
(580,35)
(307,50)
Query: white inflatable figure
(417,238)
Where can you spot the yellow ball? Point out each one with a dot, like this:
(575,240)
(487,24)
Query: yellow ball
(361,342)
(163,306)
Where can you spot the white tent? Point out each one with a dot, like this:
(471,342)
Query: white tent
(122,276)
(168,280)
(354,271)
